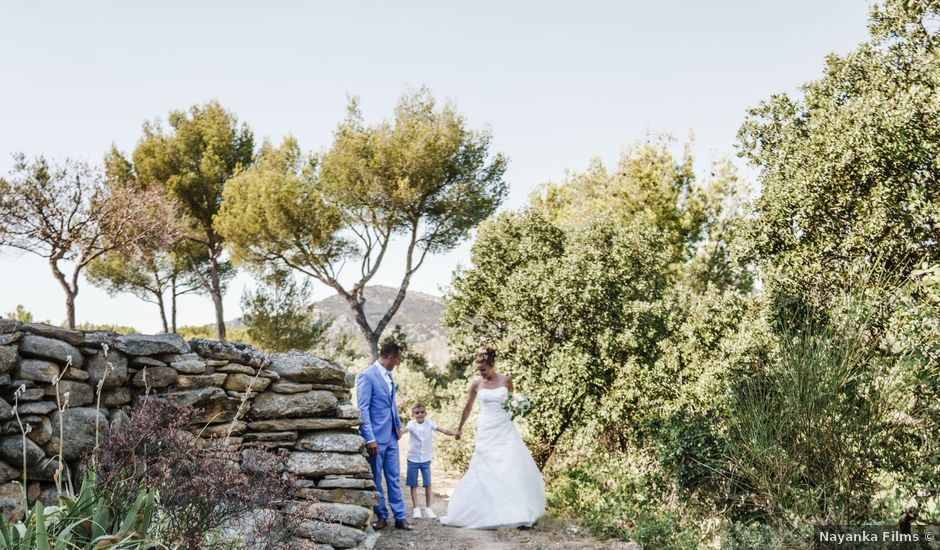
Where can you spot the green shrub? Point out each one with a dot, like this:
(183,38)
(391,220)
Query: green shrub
(83,522)
(623,497)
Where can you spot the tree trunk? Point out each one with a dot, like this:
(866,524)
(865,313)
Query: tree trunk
(69,291)
(215,289)
(162,312)
(362,322)
(70,308)
(173,304)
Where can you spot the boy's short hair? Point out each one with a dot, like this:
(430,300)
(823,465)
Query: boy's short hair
(417,406)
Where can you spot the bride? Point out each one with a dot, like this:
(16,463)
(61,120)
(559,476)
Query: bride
(502,487)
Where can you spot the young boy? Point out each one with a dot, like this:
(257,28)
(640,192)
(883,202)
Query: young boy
(420,450)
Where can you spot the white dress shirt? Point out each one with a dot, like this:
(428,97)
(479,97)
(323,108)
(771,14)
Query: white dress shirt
(421,440)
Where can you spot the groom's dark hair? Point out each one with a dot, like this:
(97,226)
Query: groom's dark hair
(390,349)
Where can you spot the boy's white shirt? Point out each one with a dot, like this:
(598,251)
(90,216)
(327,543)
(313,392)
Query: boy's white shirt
(421,440)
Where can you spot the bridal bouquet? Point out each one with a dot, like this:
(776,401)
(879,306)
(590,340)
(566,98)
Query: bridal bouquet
(517,404)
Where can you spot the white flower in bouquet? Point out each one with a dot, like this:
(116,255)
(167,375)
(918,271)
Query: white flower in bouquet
(517,404)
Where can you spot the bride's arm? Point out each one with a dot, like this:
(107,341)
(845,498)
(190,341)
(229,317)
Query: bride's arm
(471,397)
(509,383)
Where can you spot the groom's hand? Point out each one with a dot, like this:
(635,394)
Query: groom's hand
(373,448)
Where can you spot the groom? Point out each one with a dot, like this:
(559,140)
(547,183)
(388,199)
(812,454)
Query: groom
(375,395)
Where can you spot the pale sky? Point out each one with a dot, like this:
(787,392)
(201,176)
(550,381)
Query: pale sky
(557,83)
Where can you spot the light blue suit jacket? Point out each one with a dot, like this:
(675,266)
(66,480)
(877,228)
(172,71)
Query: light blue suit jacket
(380,421)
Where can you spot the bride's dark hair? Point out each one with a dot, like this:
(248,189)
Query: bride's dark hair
(486,355)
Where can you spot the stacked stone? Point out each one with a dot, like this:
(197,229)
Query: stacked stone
(290,401)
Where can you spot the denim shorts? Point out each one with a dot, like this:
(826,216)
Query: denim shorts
(413,468)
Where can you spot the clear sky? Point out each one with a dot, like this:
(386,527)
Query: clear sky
(557,83)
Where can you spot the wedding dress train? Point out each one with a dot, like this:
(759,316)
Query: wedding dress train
(502,487)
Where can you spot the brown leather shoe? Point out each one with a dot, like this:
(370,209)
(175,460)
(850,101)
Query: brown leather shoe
(381,524)
(403,524)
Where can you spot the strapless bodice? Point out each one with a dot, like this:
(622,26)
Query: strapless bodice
(491,400)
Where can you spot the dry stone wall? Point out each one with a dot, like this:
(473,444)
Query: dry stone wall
(289,400)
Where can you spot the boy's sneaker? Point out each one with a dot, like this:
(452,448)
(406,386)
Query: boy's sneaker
(429,513)
(417,513)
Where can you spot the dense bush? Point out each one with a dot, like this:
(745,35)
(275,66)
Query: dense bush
(204,486)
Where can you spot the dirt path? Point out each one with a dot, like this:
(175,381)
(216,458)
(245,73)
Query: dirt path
(429,534)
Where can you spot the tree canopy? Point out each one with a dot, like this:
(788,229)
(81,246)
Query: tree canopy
(192,162)
(65,212)
(424,177)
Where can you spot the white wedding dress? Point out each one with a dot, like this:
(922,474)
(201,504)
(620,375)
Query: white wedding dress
(502,487)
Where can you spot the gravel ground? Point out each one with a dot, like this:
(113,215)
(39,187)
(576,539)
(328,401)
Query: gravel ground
(429,534)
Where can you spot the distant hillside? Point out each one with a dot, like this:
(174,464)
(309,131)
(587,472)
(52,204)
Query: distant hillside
(419,316)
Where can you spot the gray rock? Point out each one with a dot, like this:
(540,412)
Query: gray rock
(11,338)
(270,436)
(339,442)
(80,394)
(49,496)
(8,357)
(286,405)
(4,380)
(76,374)
(11,451)
(214,403)
(11,500)
(189,367)
(286,424)
(343,482)
(118,419)
(79,430)
(346,409)
(338,536)
(37,407)
(41,432)
(319,464)
(242,382)
(302,367)
(8,473)
(96,338)
(45,471)
(32,394)
(232,368)
(6,410)
(368,498)
(155,377)
(143,344)
(229,351)
(286,386)
(350,380)
(218,363)
(144,361)
(213,430)
(240,394)
(73,337)
(38,370)
(201,381)
(117,374)
(116,397)
(348,514)
(267,373)
(13,427)
(177,357)
(47,348)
